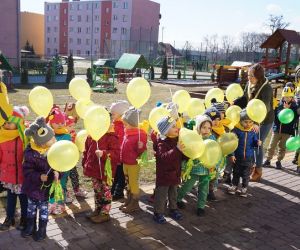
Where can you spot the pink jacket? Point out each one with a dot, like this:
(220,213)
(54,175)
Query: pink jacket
(11,158)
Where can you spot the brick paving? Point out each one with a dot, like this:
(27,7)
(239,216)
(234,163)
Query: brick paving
(268,219)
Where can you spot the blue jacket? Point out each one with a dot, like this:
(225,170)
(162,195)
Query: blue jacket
(247,142)
(290,128)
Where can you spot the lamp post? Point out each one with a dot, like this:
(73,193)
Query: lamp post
(162,34)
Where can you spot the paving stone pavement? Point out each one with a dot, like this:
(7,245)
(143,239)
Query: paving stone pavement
(268,219)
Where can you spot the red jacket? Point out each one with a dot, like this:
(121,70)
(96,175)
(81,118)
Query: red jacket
(168,162)
(129,149)
(153,137)
(110,145)
(11,158)
(119,130)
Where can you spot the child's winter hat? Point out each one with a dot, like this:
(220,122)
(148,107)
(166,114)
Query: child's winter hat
(119,107)
(287,92)
(213,113)
(40,132)
(131,117)
(173,110)
(164,125)
(244,116)
(200,119)
(57,117)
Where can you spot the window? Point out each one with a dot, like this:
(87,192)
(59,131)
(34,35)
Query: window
(107,10)
(48,8)
(71,18)
(65,33)
(106,22)
(71,7)
(87,6)
(125,5)
(48,29)
(87,41)
(97,18)
(55,18)
(65,23)
(96,41)
(48,51)
(78,52)
(48,39)
(97,30)
(87,19)
(71,40)
(48,18)
(79,30)
(78,18)
(115,30)
(65,45)
(54,6)
(106,35)
(55,51)
(54,40)
(115,17)
(87,52)
(65,11)
(115,5)
(79,7)
(96,6)
(71,29)
(78,41)
(124,18)
(123,31)
(87,31)
(55,29)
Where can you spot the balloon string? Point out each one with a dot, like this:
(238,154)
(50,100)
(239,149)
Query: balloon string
(49,171)
(99,160)
(258,138)
(181,125)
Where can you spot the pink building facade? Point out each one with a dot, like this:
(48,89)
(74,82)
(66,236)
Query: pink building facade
(101,28)
(10,30)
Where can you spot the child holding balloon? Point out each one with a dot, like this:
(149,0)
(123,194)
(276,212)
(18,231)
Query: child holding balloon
(243,157)
(95,162)
(37,177)
(284,126)
(12,144)
(199,172)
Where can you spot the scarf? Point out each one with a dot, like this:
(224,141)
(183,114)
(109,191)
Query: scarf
(240,127)
(61,131)
(220,130)
(254,90)
(38,148)
(8,135)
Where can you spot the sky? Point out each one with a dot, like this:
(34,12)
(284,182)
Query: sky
(191,20)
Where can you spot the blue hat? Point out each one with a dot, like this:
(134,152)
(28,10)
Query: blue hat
(164,125)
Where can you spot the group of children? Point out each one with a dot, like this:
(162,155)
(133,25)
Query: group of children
(26,174)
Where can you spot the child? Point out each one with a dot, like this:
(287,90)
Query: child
(57,121)
(79,192)
(37,177)
(12,144)
(199,173)
(108,146)
(117,109)
(243,158)
(168,164)
(282,132)
(134,144)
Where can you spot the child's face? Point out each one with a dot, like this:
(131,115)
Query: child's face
(173,131)
(216,122)
(9,126)
(287,99)
(222,115)
(247,124)
(57,125)
(205,129)
(115,116)
(49,143)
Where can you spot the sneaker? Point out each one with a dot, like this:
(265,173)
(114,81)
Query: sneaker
(200,212)
(81,193)
(243,192)
(69,198)
(232,190)
(159,218)
(175,215)
(181,204)
(267,164)
(278,165)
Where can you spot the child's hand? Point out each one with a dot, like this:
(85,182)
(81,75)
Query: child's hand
(56,176)
(140,145)
(255,128)
(286,105)
(180,146)
(233,159)
(44,177)
(259,142)
(99,153)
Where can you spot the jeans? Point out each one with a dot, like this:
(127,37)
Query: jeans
(12,202)
(259,153)
(241,169)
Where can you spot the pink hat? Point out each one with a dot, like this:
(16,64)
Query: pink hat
(57,117)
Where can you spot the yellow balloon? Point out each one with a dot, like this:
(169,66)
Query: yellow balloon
(182,99)
(212,154)
(193,143)
(82,107)
(256,110)
(233,92)
(63,156)
(138,91)
(80,140)
(228,143)
(233,114)
(41,100)
(195,107)
(155,115)
(216,93)
(97,122)
(80,89)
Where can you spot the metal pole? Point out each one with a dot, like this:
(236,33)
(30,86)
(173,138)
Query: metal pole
(92,37)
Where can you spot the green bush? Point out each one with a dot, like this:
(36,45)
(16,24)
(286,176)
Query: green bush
(164,70)
(179,74)
(70,71)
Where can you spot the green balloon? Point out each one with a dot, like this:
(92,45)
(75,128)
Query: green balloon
(286,116)
(293,143)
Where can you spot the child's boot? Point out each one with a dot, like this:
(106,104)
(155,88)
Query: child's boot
(256,174)
(22,224)
(132,206)
(127,201)
(298,170)
(100,218)
(94,213)
(295,161)
(267,164)
(278,165)
(200,212)
(41,233)
(8,222)
(30,227)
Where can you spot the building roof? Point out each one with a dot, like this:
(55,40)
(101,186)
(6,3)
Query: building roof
(132,61)
(4,64)
(168,50)
(279,37)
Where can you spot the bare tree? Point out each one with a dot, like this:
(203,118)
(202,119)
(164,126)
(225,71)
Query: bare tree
(276,22)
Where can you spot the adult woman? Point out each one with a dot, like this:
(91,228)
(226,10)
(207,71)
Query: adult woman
(258,87)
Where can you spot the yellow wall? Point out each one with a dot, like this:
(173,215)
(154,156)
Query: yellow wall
(32,29)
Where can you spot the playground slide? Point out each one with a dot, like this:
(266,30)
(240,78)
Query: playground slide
(275,76)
